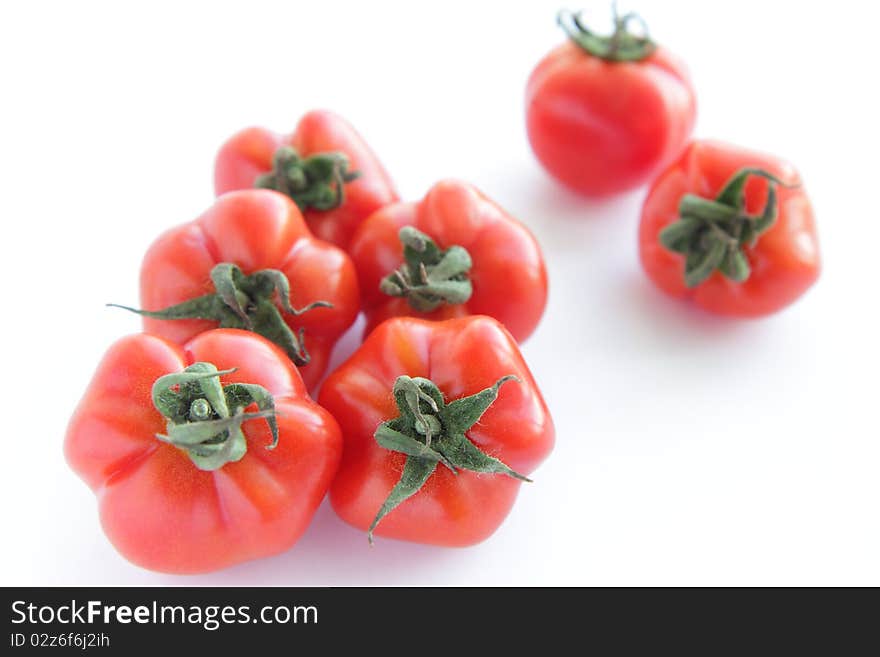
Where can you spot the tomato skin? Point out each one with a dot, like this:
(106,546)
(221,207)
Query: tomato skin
(255,229)
(604,127)
(157,508)
(785,262)
(508,275)
(462,356)
(248,154)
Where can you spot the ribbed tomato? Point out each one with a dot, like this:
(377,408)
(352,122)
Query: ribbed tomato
(441,422)
(250,262)
(731,229)
(323,165)
(202,455)
(454,253)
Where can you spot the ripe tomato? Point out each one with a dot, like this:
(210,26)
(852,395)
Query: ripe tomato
(197,485)
(478,260)
(604,114)
(452,380)
(724,227)
(248,246)
(324,166)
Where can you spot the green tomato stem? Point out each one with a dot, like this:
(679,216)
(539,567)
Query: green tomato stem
(715,234)
(204,417)
(429,276)
(430,431)
(620,46)
(316,182)
(245,302)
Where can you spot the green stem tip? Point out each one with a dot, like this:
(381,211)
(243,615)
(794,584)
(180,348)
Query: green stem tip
(622,45)
(316,182)
(245,302)
(204,417)
(429,276)
(430,431)
(716,234)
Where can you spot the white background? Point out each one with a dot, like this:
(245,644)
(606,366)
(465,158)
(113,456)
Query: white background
(691,449)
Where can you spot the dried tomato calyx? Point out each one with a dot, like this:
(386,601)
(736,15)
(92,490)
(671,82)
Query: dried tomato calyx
(245,302)
(316,182)
(430,431)
(204,417)
(620,46)
(715,234)
(429,276)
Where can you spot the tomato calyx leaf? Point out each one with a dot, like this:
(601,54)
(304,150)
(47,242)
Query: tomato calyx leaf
(716,234)
(204,417)
(621,45)
(429,432)
(245,302)
(429,276)
(316,182)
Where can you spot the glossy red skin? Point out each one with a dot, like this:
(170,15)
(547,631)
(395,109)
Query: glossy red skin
(255,229)
(157,508)
(508,275)
(785,262)
(462,356)
(248,154)
(606,127)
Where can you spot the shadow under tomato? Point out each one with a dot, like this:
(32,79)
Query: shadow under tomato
(333,553)
(665,321)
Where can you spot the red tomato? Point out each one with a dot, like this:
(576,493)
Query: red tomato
(776,266)
(604,120)
(256,230)
(251,154)
(161,510)
(505,277)
(461,357)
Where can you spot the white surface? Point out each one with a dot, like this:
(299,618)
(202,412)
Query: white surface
(691,449)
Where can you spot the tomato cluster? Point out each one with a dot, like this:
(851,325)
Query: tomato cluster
(200,437)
